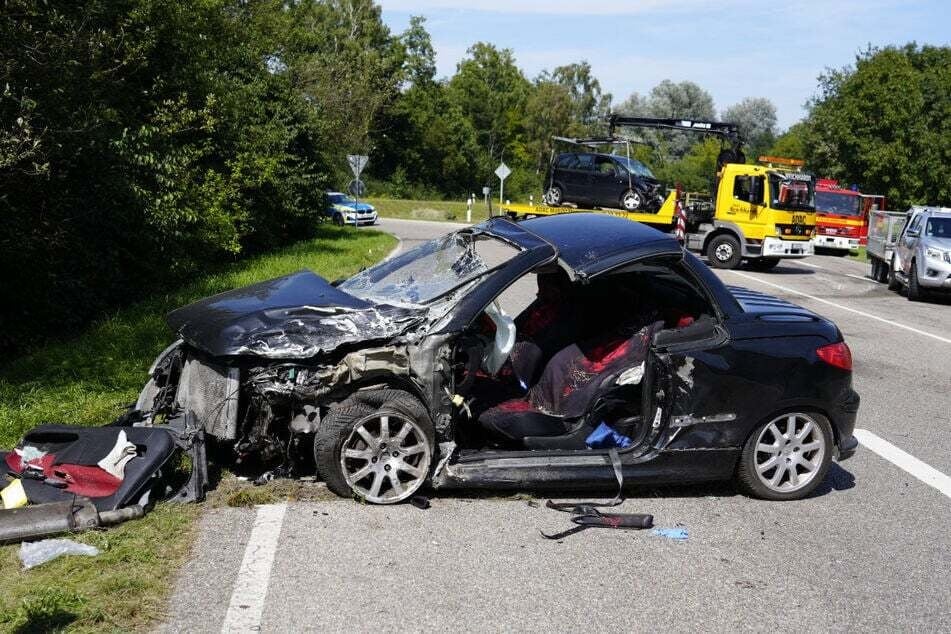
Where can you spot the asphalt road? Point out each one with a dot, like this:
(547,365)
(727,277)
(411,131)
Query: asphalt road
(871,551)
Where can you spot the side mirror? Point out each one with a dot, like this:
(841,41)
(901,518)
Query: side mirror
(913,233)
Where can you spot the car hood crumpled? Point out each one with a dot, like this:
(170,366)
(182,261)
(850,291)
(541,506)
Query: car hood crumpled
(292,317)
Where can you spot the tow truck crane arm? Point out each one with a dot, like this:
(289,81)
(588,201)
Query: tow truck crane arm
(728,131)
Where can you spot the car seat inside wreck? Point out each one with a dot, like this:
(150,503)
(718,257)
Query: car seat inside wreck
(470,360)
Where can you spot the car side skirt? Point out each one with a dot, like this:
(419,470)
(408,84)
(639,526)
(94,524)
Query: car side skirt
(588,470)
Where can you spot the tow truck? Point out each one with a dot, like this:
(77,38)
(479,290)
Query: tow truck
(842,216)
(758,213)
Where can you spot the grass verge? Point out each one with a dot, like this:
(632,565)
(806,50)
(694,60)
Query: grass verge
(88,381)
(447,210)
(859,255)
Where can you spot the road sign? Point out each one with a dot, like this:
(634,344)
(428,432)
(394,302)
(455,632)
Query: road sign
(357,163)
(357,187)
(502,171)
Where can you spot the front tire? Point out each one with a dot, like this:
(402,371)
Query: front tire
(338,220)
(787,457)
(376,446)
(554,197)
(914,290)
(723,252)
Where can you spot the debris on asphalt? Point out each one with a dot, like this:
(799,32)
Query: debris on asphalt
(420,502)
(34,554)
(675,534)
(586,516)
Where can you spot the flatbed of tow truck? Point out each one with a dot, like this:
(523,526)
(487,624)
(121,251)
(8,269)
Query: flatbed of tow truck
(663,219)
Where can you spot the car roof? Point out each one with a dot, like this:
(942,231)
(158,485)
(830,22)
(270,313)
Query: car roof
(591,243)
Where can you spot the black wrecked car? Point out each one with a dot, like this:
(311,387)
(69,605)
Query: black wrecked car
(602,180)
(627,353)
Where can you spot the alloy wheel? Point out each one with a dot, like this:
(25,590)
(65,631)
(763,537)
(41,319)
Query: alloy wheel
(789,452)
(385,458)
(724,251)
(554,196)
(631,200)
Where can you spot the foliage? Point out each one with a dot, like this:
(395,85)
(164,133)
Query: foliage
(756,119)
(886,124)
(134,152)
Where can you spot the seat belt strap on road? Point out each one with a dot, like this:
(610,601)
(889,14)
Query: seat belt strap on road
(569,507)
(586,514)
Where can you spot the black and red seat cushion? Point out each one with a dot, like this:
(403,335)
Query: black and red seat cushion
(567,386)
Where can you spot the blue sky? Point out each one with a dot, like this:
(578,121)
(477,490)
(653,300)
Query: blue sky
(732,48)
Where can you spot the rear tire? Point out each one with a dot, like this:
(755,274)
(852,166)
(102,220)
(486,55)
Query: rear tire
(723,252)
(787,457)
(376,446)
(893,283)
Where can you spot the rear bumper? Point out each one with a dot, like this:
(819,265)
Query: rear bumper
(836,242)
(843,418)
(778,248)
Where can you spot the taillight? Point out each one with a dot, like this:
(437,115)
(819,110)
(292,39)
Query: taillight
(836,354)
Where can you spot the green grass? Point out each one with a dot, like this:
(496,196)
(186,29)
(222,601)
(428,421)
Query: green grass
(88,380)
(429,209)
(859,255)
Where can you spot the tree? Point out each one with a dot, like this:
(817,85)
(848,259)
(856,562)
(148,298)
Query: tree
(791,143)
(491,92)
(756,119)
(420,63)
(548,113)
(588,104)
(669,100)
(886,124)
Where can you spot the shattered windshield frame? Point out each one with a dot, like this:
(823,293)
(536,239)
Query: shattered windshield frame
(431,270)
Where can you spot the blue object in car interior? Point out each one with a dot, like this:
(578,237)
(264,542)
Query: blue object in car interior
(604,437)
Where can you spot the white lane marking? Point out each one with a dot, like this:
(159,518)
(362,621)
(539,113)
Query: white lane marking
(860,277)
(815,266)
(923,471)
(250,587)
(841,307)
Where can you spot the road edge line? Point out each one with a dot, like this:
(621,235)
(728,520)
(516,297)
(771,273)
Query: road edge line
(250,586)
(846,308)
(904,460)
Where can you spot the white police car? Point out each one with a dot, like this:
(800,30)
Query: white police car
(343,209)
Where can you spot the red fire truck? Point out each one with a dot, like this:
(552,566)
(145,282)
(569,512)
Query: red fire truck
(842,216)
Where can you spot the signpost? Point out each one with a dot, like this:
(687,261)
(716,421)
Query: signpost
(502,171)
(356,187)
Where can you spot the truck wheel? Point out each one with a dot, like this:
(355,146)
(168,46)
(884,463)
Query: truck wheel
(631,200)
(763,264)
(915,293)
(723,252)
(787,457)
(376,446)
(554,196)
(893,283)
